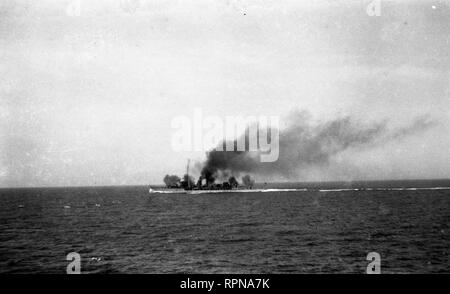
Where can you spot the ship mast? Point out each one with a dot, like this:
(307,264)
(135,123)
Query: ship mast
(187,173)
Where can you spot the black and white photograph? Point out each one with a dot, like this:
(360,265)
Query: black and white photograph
(224,137)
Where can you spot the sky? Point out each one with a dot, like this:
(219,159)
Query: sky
(87,95)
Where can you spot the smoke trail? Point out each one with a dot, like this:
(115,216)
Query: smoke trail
(305,144)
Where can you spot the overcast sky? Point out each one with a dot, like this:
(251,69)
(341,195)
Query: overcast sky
(88,99)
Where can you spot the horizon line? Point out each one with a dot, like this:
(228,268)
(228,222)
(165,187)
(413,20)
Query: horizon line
(274,182)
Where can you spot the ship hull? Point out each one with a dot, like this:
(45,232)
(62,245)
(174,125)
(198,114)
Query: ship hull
(198,192)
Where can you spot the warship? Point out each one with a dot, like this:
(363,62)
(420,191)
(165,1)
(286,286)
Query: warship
(206,184)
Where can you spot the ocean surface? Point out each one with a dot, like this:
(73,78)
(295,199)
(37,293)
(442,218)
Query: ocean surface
(330,228)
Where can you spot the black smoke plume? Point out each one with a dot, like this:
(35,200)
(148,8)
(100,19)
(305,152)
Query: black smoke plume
(303,144)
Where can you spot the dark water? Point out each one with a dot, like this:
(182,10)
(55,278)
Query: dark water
(124,230)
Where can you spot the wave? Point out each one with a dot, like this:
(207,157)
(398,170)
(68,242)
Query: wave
(411,189)
(199,192)
(337,190)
